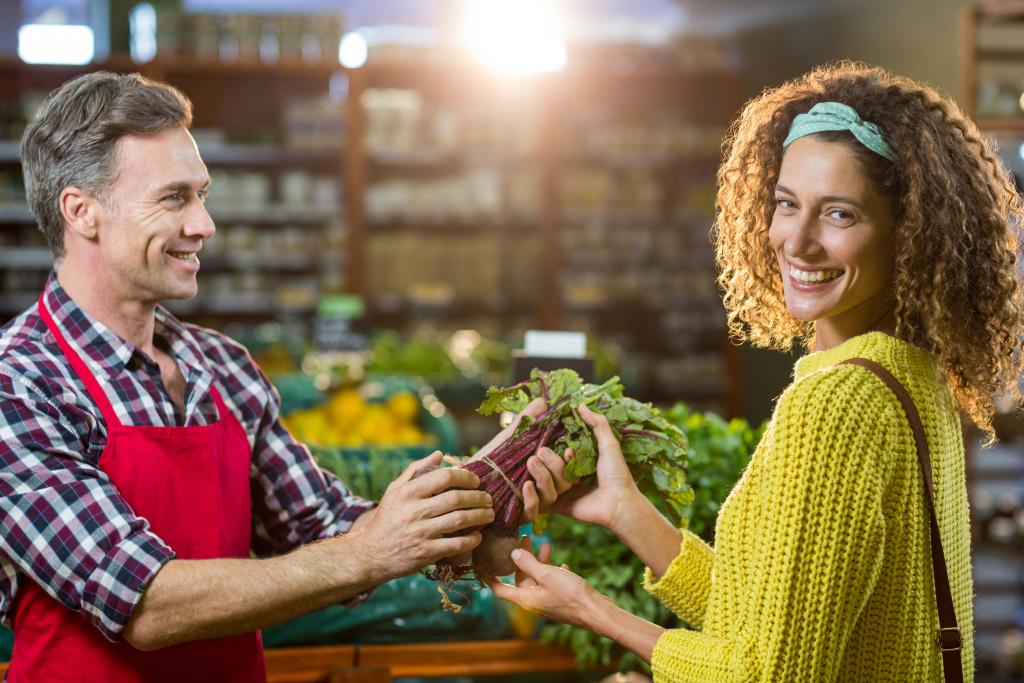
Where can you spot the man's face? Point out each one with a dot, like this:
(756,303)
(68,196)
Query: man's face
(154,219)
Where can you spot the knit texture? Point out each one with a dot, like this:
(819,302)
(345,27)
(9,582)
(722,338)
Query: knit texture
(822,565)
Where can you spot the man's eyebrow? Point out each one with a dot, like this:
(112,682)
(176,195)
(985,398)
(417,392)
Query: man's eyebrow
(827,198)
(180,186)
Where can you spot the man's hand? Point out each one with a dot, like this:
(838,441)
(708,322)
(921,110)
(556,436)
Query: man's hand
(419,519)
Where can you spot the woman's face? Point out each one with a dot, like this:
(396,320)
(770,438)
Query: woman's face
(832,233)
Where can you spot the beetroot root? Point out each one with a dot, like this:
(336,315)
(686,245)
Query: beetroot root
(493,557)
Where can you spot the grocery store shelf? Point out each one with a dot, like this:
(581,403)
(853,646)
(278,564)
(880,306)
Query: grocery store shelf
(274,213)
(384,305)
(1000,54)
(412,158)
(269,262)
(265,155)
(253,303)
(9,151)
(15,213)
(26,257)
(641,160)
(171,66)
(1002,11)
(449,224)
(11,304)
(1001,124)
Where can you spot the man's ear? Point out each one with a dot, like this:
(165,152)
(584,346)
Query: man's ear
(79,209)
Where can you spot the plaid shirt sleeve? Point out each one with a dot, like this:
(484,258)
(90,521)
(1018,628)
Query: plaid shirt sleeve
(294,502)
(64,525)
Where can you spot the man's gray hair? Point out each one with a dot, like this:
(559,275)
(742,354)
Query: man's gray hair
(72,142)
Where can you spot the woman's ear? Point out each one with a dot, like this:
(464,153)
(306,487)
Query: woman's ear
(79,210)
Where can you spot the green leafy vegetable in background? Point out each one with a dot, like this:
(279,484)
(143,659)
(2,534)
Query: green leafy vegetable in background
(422,356)
(718,453)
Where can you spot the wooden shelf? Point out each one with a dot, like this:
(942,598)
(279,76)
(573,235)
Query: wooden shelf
(38,258)
(1002,124)
(16,213)
(172,66)
(267,262)
(225,155)
(252,304)
(246,100)
(10,151)
(373,663)
(274,214)
(264,155)
(1009,10)
(1000,54)
(12,304)
(450,225)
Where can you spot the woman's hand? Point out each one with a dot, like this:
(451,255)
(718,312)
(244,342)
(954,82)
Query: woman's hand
(614,493)
(559,595)
(546,468)
(553,592)
(549,482)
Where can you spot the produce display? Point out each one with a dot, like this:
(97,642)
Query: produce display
(347,419)
(654,449)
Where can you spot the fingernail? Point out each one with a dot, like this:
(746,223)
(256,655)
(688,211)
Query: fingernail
(516,554)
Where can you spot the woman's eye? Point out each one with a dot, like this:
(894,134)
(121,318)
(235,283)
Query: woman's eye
(784,203)
(840,215)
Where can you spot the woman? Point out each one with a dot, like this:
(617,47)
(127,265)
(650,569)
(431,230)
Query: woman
(862,214)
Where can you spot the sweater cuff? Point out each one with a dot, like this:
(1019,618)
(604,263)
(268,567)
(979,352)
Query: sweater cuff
(684,655)
(687,582)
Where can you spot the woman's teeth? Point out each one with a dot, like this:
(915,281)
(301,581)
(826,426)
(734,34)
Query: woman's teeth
(184,255)
(814,276)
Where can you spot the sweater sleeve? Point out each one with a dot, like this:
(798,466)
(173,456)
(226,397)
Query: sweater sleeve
(686,584)
(815,540)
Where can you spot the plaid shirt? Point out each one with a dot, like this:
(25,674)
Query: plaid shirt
(62,522)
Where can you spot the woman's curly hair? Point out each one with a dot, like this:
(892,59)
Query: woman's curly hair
(956,285)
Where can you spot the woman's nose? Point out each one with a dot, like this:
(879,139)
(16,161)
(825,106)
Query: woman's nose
(802,239)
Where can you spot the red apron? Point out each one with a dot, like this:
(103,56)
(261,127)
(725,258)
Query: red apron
(192,484)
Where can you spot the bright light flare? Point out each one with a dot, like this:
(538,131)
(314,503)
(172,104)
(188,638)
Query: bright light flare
(353,50)
(515,37)
(55,44)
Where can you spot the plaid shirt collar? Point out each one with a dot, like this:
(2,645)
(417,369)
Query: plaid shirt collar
(105,350)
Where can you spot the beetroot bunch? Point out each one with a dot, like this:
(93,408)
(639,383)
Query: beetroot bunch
(654,448)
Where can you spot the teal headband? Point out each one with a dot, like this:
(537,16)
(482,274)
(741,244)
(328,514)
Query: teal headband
(835,116)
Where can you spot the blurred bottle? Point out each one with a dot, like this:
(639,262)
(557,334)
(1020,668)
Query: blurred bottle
(270,45)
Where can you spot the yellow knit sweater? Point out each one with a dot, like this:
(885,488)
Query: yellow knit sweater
(822,566)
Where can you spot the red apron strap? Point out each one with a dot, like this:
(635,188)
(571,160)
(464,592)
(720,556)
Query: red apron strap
(222,409)
(80,368)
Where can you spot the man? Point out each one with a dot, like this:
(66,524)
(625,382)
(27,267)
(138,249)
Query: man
(142,459)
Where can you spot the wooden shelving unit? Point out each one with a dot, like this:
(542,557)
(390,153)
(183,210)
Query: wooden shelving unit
(996,474)
(235,98)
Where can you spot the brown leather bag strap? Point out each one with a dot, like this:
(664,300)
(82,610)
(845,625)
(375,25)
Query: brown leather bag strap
(949,639)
